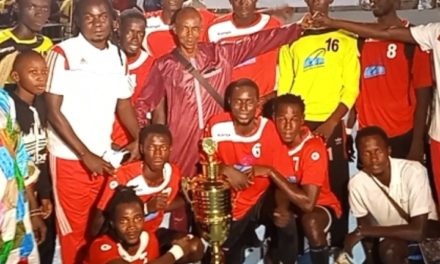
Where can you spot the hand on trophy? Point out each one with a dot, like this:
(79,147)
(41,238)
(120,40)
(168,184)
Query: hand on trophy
(238,180)
(158,202)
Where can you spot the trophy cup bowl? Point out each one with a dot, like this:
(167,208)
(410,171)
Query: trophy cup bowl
(210,199)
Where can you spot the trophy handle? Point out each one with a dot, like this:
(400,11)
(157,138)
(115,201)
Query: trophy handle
(186,189)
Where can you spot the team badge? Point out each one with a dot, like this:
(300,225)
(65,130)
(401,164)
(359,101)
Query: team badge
(105,247)
(256,150)
(315,156)
(113,185)
(292,179)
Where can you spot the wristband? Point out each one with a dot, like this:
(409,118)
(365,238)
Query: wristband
(176,251)
(348,131)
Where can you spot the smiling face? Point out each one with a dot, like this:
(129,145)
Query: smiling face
(289,119)
(128,222)
(156,150)
(374,154)
(33,13)
(31,74)
(132,32)
(243,9)
(244,104)
(96,21)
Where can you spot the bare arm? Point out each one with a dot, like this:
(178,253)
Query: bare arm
(303,197)
(414,231)
(178,202)
(423,98)
(62,126)
(365,30)
(59,122)
(126,114)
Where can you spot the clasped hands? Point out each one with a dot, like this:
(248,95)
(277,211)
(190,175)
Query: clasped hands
(240,180)
(315,20)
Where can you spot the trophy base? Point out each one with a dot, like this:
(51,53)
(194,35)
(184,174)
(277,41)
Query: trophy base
(217,255)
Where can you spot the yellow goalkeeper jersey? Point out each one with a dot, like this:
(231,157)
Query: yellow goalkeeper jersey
(323,68)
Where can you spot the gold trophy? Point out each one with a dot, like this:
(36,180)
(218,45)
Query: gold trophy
(210,199)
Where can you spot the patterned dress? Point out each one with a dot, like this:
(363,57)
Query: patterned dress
(17,244)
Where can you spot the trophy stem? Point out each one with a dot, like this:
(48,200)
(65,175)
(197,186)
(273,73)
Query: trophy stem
(217,256)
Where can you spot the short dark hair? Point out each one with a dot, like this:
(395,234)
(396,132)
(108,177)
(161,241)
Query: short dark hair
(239,83)
(123,195)
(288,99)
(154,129)
(23,55)
(132,13)
(80,5)
(371,131)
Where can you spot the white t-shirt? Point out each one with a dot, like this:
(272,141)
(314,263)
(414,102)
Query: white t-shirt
(428,37)
(409,187)
(91,81)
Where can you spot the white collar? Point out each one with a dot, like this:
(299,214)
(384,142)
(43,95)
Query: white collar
(141,253)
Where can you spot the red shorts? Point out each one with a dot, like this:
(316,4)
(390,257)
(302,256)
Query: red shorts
(75,193)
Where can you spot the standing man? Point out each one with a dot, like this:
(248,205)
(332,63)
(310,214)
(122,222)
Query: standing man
(396,84)
(323,68)
(243,21)
(131,35)
(189,105)
(32,15)
(159,37)
(424,35)
(87,84)
(384,231)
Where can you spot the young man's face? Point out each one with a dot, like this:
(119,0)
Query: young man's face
(382,7)
(187,30)
(33,13)
(374,152)
(96,21)
(156,150)
(243,8)
(289,118)
(244,104)
(172,5)
(32,75)
(318,5)
(132,33)
(129,222)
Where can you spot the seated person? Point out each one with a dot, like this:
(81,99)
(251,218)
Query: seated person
(308,187)
(384,232)
(246,140)
(126,241)
(157,183)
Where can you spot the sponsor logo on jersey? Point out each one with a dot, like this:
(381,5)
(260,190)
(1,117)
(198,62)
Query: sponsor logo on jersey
(315,156)
(374,71)
(315,60)
(292,179)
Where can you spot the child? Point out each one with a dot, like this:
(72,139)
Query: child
(29,73)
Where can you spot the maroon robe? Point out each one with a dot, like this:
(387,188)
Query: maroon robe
(215,61)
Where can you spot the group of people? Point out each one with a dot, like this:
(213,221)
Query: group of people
(96,132)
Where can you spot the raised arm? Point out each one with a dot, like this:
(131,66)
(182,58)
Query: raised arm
(366,30)
(261,42)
